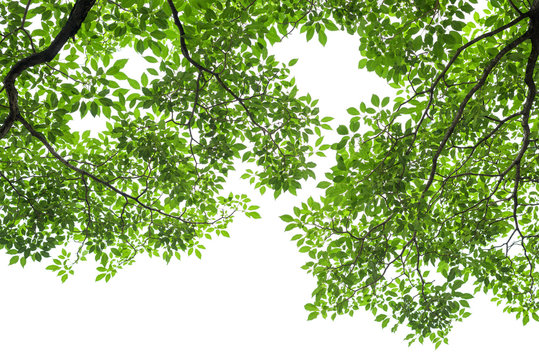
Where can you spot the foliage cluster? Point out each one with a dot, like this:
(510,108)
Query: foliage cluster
(432,190)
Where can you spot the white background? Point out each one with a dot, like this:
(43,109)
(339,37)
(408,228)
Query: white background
(244,299)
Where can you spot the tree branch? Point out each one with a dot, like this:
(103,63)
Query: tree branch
(452,61)
(125,195)
(464,103)
(74,21)
(185,53)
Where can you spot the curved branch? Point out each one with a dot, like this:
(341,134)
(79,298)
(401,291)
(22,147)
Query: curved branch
(526,111)
(452,61)
(515,7)
(486,72)
(125,195)
(185,53)
(74,21)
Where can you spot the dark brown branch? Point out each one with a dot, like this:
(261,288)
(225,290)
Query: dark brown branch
(74,21)
(526,111)
(183,45)
(454,174)
(119,6)
(452,61)
(464,103)
(185,53)
(515,7)
(18,192)
(25,13)
(106,184)
(244,8)
(533,35)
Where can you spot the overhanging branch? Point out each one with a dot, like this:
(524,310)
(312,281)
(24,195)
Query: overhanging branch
(106,184)
(74,21)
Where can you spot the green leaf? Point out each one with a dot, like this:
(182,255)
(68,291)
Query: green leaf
(253,214)
(292,62)
(375,100)
(342,130)
(119,64)
(323,184)
(310,33)
(353,111)
(330,25)
(133,83)
(525,319)
(13,260)
(144,80)
(150,59)
(94,109)
(354,125)
(290,227)
(286,218)
(322,38)
(120,75)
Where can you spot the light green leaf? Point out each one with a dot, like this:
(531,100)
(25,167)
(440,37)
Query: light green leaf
(375,100)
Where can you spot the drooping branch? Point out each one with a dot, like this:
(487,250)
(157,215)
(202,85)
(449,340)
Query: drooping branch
(526,110)
(185,53)
(513,5)
(126,196)
(453,60)
(533,35)
(486,72)
(183,45)
(74,21)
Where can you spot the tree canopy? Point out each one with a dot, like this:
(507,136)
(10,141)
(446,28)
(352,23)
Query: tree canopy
(433,195)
